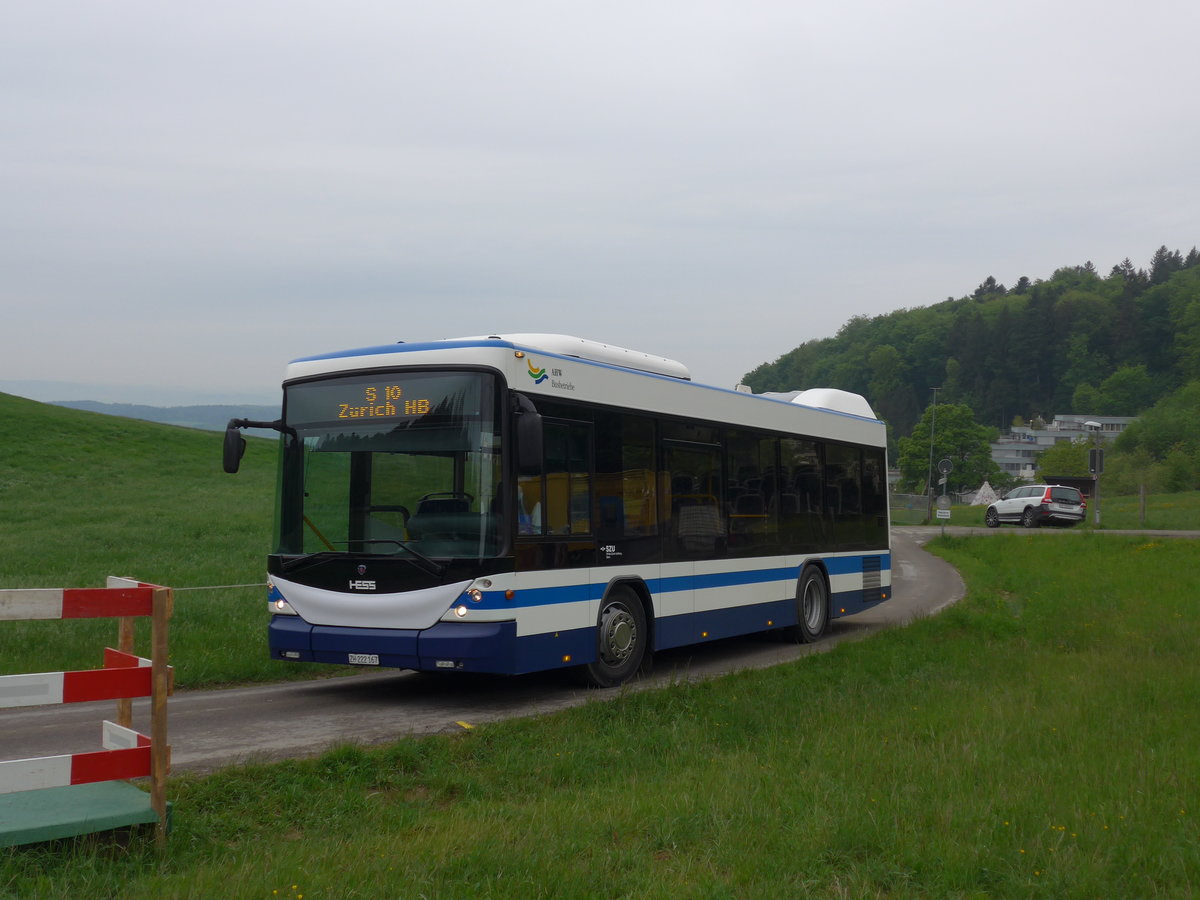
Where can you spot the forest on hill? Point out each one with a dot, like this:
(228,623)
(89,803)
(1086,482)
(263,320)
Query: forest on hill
(1077,342)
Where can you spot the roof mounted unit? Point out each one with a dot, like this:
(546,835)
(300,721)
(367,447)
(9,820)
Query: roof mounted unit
(565,345)
(837,401)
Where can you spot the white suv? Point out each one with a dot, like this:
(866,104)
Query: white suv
(1037,503)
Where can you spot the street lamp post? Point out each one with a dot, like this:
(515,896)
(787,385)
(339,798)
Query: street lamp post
(1096,465)
(929,474)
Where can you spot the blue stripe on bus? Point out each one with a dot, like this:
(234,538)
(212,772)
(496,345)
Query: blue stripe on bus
(576,593)
(719,579)
(582,592)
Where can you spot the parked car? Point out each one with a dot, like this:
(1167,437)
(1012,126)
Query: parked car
(1034,504)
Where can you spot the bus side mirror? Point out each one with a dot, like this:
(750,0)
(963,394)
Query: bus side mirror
(529,441)
(235,446)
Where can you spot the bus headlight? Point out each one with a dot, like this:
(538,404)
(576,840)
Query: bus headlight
(276,604)
(475,595)
(460,611)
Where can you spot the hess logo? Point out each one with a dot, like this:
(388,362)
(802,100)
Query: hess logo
(360,584)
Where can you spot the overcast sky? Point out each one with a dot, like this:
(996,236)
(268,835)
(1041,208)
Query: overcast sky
(193,194)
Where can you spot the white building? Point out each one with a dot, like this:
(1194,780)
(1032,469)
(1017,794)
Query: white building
(1015,453)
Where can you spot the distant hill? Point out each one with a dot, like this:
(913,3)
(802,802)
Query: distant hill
(206,418)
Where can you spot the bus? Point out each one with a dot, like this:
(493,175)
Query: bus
(514,503)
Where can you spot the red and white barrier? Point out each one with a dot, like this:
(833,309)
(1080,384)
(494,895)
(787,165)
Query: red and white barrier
(77,603)
(126,753)
(123,675)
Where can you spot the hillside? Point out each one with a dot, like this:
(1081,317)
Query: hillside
(1077,342)
(210,417)
(84,495)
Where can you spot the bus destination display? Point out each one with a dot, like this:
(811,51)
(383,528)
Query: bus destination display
(380,402)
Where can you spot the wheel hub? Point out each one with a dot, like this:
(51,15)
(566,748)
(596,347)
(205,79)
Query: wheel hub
(619,635)
(812,606)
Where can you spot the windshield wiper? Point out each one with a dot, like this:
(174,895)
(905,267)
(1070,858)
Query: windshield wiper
(431,566)
(289,564)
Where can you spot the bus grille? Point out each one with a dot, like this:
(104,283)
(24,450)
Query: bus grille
(872,579)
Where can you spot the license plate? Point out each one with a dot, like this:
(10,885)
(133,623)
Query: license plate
(364,659)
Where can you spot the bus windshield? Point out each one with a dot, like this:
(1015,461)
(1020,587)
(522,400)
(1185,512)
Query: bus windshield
(393,463)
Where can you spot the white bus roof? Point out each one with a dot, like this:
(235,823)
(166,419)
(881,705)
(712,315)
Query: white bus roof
(566,345)
(571,368)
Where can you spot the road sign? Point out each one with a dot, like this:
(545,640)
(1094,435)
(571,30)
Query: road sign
(945,466)
(943,513)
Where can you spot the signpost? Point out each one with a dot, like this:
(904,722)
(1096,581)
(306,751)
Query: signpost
(1096,468)
(944,467)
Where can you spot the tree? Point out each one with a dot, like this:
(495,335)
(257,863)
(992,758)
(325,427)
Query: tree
(1174,421)
(989,288)
(1064,458)
(957,437)
(1087,399)
(1164,264)
(890,389)
(1126,392)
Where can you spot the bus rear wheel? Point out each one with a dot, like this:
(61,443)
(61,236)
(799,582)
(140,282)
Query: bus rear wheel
(812,606)
(621,639)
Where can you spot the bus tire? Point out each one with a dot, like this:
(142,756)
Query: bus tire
(812,606)
(621,639)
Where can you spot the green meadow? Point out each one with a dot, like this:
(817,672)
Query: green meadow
(85,495)
(1036,740)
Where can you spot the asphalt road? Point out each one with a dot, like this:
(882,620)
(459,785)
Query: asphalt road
(211,729)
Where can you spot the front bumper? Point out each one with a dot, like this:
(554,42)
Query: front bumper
(462,646)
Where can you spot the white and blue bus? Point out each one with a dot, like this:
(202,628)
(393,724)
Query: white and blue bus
(515,503)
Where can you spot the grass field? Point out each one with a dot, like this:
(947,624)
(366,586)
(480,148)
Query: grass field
(85,495)
(1039,739)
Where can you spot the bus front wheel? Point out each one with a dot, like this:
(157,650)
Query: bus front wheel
(621,638)
(812,606)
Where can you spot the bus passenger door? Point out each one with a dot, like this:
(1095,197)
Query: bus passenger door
(694,532)
(555,535)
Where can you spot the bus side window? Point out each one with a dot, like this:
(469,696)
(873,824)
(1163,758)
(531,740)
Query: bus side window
(695,518)
(529,504)
(626,482)
(566,485)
